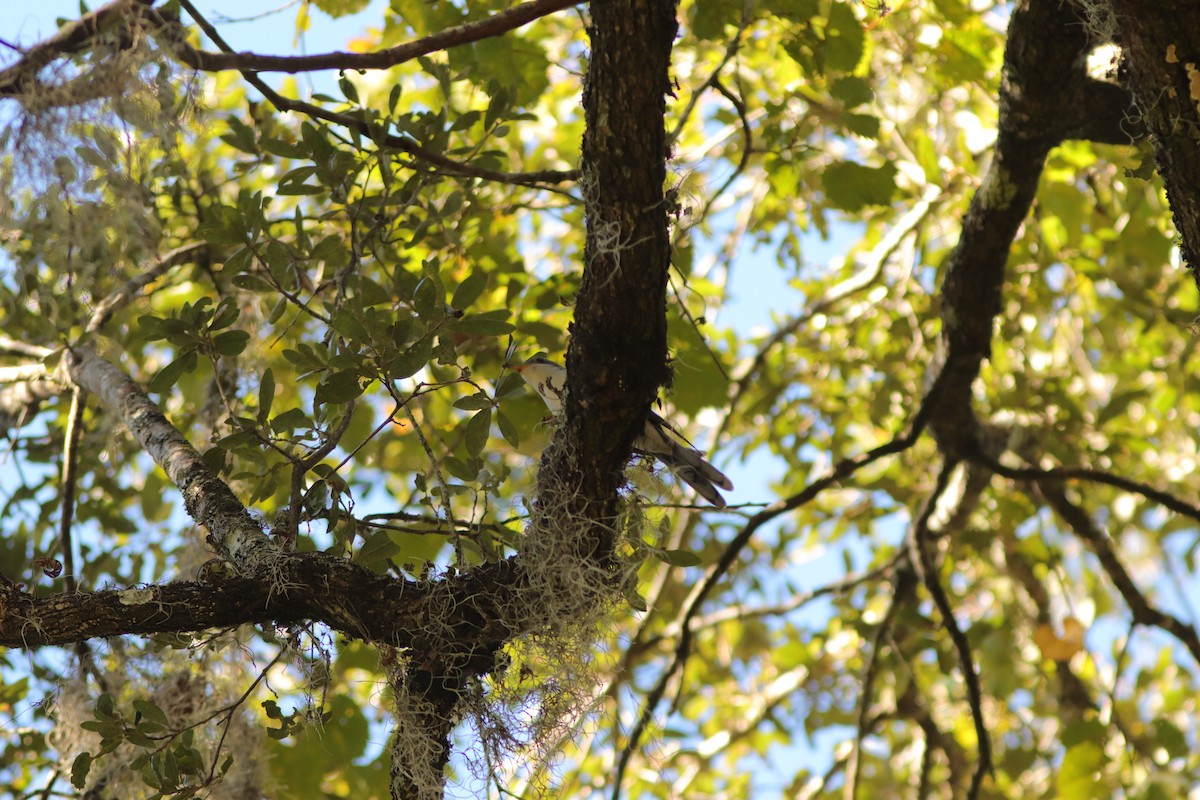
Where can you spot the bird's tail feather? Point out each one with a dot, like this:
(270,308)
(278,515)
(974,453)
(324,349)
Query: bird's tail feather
(691,468)
(682,454)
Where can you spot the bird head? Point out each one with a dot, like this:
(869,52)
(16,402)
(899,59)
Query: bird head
(547,378)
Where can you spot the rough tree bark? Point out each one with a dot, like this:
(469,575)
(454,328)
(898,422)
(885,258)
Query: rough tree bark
(618,350)
(1161,44)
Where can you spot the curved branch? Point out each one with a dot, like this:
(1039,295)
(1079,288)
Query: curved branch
(375,132)
(1043,90)
(1143,612)
(149,273)
(922,559)
(70,476)
(904,590)
(1059,474)
(875,260)
(14,347)
(486,28)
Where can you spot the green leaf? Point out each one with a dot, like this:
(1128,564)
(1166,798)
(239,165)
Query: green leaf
(507,429)
(412,360)
(477,431)
(266,395)
(489,323)
(677,558)
(240,136)
(341,8)
(864,125)
(346,322)
(290,420)
(851,91)
(339,387)
(169,375)
(253,283)
(225,314)
(1170,738)
(463,470)
(427,298)
(844,39)
(80,768)
(279,147)
(150,711)
(377,549)
(470,289)
(852,187)
(293,185)
(1080,776)
(516,62)
(348,89)
(473,402)
(230,343)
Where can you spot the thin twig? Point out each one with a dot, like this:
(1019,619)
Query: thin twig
(922,559)
(70,476)
(904,584)
(14,347)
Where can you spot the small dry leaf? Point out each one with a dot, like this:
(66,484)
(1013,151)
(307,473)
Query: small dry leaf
(1060,648)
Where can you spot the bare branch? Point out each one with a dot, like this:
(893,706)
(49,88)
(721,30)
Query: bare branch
(70,475)
(1059,474)
(486,28)
(206,497)
(1098,540)
(17,348)
(22,389)
(875,262)
(922,558)
(904,592)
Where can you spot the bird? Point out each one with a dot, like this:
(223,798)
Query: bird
(659,438)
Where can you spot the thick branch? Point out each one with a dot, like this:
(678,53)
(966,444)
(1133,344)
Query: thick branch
(1161,43)
(307,586)
(206,497)
(618,350)
(1041,94)
(71,38)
